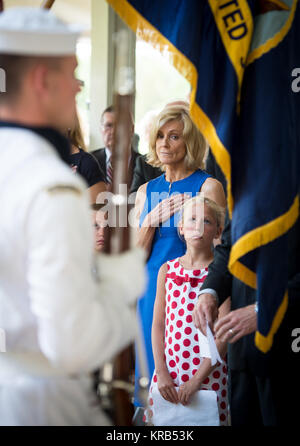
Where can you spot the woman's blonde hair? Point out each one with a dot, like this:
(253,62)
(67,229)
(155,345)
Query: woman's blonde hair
(218,211)
(75,134)
(195,142)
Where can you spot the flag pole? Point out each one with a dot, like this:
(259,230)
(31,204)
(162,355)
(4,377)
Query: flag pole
(47,4)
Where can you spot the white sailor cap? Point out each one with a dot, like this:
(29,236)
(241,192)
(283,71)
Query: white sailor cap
(36,32)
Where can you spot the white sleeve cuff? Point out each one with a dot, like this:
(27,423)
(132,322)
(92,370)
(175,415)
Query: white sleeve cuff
(210,291)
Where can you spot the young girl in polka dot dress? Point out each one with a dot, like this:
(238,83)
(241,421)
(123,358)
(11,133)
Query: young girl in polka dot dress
(180,370)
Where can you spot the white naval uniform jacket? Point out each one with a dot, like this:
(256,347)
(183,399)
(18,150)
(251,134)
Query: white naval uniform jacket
(50,306)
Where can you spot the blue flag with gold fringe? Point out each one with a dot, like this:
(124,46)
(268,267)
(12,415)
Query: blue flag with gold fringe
(239,57)
(266,165)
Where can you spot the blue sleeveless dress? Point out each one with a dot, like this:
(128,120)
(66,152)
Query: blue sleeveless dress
(166,245)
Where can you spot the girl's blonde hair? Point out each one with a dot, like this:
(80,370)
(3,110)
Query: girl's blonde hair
(196,145)
(218,211)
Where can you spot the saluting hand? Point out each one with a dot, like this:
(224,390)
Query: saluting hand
(165,209)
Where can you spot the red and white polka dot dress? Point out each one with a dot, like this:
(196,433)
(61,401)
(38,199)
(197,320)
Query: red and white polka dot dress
(182,351)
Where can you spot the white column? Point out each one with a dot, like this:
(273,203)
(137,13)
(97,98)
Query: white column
(104,23)
(99,68)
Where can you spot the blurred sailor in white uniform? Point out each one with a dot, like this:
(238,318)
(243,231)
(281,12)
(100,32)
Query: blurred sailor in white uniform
(59,322)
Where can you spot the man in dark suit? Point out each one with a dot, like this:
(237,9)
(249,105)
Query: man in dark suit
(213,168)
(264,387)
(103,155)
(143,172)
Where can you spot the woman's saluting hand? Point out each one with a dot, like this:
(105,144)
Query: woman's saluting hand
(165,209)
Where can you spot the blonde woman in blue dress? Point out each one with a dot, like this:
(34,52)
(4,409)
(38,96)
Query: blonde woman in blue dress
(178,148)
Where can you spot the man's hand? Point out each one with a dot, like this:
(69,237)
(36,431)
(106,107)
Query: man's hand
(206,309)
(236,324)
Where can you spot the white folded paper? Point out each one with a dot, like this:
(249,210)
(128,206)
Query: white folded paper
(208,348)
(201,411)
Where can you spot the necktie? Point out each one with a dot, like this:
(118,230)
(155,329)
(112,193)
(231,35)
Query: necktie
(109,172)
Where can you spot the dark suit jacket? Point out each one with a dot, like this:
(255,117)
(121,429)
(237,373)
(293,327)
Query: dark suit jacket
(100,155)
(243,355)
(212,167)
(143,172)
